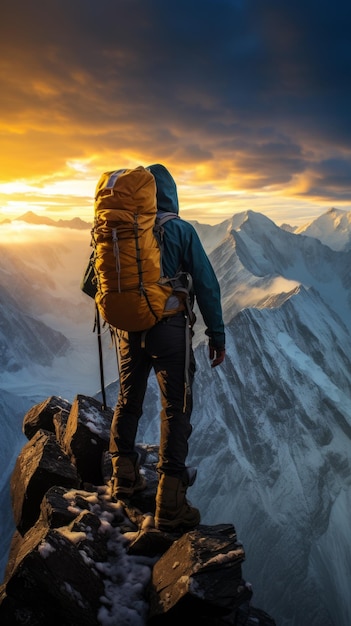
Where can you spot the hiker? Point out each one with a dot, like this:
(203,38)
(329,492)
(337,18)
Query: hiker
(163,348)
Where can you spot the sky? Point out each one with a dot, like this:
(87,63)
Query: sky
(246,102)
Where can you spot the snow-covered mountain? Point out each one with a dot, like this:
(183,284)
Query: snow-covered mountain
(332,228)
(272,426)
(25,338)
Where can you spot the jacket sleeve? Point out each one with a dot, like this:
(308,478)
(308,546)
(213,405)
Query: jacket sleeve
(206,287)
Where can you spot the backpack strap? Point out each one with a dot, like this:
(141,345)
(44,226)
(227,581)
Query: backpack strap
(182,283)
(163,216)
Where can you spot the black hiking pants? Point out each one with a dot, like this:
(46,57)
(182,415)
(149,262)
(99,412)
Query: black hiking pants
(164,350)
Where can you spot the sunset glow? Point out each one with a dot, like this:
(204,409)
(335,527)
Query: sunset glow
(248,109)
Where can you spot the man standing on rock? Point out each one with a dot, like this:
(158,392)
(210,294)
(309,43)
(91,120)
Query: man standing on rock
(166,348)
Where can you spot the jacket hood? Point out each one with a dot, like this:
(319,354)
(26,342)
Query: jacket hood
(166,193)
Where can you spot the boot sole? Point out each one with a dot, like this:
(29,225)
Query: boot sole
(128,493)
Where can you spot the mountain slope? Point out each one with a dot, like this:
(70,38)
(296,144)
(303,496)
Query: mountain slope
(274,456)
(25,340)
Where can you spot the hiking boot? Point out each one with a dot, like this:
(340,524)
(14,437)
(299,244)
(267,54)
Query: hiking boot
(173,512)
(126,478)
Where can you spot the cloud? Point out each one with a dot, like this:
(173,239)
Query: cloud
(255,95)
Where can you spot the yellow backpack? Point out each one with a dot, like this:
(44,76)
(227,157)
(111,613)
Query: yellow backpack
(132,294)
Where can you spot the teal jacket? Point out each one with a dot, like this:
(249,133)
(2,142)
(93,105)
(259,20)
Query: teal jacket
(183,248)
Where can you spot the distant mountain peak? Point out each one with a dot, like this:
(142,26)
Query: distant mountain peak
(32,218)
(333,228)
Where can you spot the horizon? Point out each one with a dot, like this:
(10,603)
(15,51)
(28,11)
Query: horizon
(246,104)
(30,227)
(23,221)
(279,210)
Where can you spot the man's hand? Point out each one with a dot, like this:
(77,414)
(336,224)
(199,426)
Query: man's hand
(216,355)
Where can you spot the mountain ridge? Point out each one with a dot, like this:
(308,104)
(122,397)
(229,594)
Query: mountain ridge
(332,227)
(32,218)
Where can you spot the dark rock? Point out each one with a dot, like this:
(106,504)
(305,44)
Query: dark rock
(149,542)
(67,537)
(60,420)
(61,506)
(200,572)
(51,573)
(41,416)
(87,436)
(40,465)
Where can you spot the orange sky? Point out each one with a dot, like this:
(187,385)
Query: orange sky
(247,106)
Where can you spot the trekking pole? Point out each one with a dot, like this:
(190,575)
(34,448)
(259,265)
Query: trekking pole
(118,356)
(102,379)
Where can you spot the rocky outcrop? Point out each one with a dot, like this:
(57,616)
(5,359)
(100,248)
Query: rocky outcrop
(74,545)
